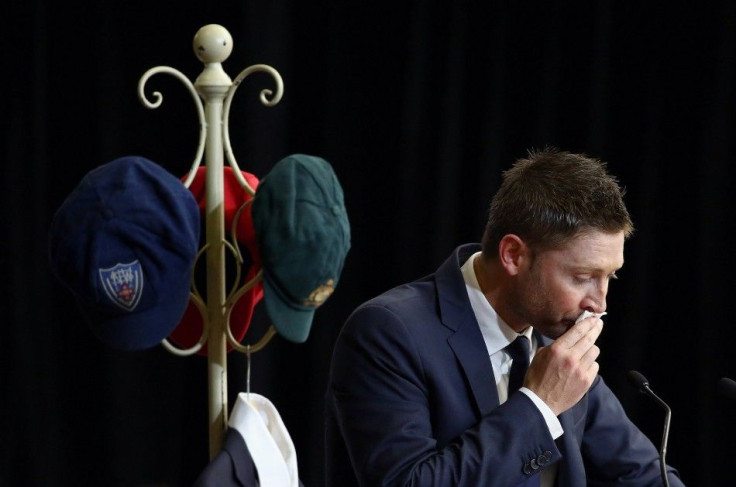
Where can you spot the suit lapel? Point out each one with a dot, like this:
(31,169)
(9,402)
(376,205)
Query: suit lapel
(466,341)
(242,462)
(571,472)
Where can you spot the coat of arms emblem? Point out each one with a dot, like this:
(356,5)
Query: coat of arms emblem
(123,284)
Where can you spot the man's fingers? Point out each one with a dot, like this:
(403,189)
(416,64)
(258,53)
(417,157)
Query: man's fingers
(581,331)
(590,355)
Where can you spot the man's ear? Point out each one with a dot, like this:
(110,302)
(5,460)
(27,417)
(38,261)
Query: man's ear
(513,253)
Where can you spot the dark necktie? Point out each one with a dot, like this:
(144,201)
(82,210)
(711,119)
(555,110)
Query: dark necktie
(519,352)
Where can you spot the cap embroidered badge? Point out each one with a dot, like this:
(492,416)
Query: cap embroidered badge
(189,330)
(303,236)
(124,242)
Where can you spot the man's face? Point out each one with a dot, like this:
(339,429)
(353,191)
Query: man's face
(557,285)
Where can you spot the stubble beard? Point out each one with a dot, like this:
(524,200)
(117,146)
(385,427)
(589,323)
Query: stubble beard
(535,307)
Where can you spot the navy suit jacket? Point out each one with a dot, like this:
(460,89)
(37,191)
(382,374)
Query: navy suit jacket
(233,465)
(412,400)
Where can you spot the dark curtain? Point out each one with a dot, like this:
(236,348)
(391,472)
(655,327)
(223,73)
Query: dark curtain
(419,107)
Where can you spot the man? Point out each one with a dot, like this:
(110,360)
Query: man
(418,391)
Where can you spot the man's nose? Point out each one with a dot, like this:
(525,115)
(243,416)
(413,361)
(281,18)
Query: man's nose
(595,301)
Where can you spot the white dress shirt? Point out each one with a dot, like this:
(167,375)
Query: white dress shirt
(497,335)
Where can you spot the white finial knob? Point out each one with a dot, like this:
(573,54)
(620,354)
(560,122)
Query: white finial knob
(212,44)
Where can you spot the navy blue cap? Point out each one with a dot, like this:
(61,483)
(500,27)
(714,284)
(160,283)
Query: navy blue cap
(124,243)
(303,234)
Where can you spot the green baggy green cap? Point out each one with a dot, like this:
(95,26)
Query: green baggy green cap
(303,235)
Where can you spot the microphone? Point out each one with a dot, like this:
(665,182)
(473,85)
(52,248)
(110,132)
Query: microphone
(727,387)
(641,383)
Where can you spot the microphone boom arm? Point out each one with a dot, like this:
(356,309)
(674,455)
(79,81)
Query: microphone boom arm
(665,433)
(641,383)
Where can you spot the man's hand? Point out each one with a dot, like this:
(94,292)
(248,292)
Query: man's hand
(561,373)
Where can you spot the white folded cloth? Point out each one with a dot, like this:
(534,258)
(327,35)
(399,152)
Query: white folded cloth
(587,313)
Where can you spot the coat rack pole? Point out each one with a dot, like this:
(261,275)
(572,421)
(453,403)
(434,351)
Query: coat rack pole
(213,85)
(216,343)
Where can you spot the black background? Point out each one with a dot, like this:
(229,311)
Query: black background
(418,106)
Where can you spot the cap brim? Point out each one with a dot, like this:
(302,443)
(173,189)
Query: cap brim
(291,323)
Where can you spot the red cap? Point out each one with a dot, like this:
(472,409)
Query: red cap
(189,330)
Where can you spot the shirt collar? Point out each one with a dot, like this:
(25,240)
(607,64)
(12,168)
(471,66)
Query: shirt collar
(496,333)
